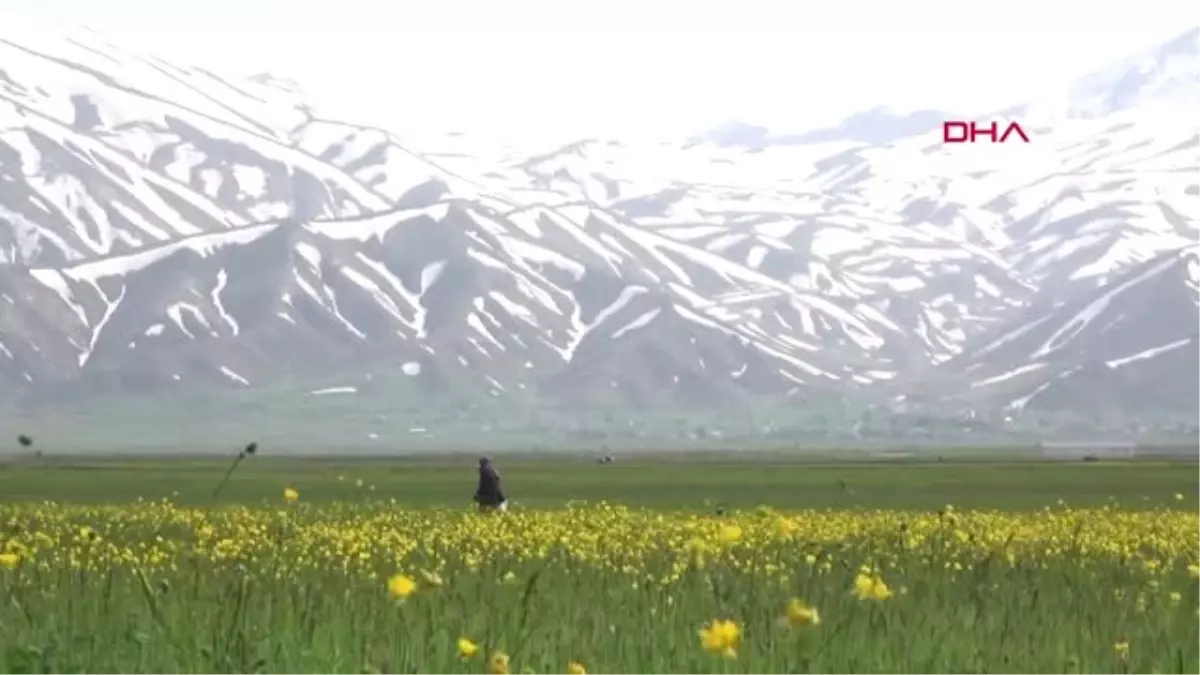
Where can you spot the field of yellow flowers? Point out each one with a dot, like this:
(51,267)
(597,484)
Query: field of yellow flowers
(371,586)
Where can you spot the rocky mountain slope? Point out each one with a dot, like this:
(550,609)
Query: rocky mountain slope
(164,230)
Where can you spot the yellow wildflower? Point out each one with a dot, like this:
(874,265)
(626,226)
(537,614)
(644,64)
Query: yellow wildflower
(869,587)
(729,534)
(721,636)
(799,614)
(401,586)
(466,648)
(1121,648)
(498,664)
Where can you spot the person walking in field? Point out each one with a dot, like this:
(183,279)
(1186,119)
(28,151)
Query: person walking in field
(489,495)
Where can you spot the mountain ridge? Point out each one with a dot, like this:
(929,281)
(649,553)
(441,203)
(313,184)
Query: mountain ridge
(244,242)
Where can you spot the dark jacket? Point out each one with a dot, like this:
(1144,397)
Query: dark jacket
(489,492)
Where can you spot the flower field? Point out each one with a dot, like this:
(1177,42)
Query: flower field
(368,585)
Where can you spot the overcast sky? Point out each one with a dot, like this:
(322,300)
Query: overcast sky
(516,67)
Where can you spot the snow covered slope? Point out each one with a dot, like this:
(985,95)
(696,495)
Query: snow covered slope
(163,229)
(1133,340)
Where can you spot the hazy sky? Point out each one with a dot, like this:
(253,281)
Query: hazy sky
(515,67)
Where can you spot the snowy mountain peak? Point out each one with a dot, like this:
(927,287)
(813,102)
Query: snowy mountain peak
(166,231)
(1167,77)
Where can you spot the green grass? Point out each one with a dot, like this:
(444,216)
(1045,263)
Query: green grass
(154,587)
(661,484)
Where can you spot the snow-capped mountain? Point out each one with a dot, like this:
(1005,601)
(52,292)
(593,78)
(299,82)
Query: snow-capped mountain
(163,229)
(877,126)
(1165,75)
(1097,347)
